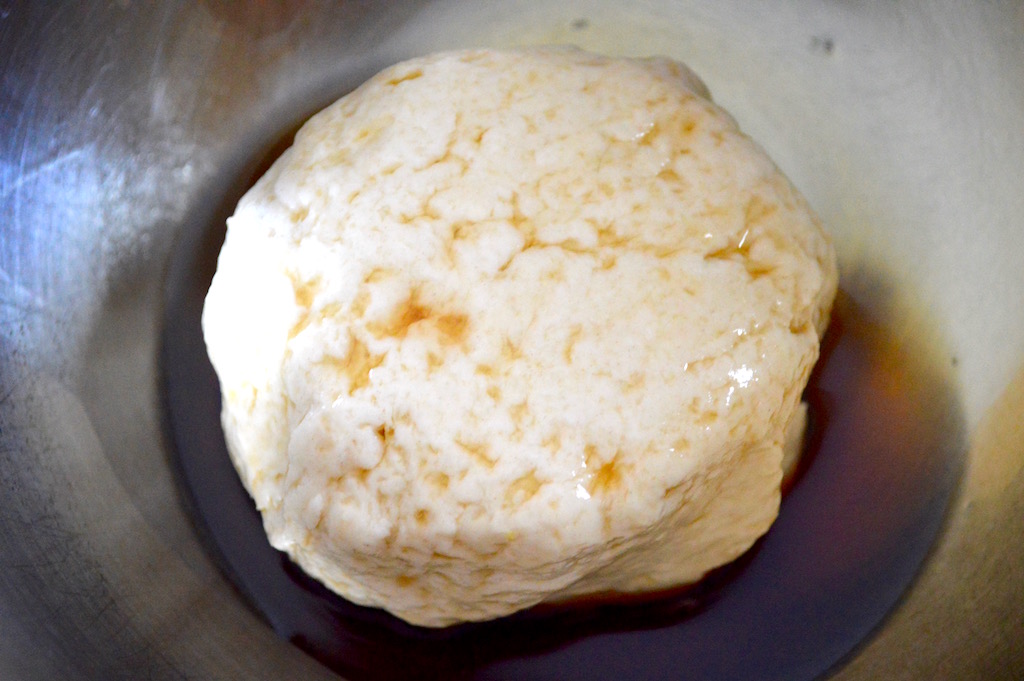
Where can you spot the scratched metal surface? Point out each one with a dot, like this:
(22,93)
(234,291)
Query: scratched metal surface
(121,122)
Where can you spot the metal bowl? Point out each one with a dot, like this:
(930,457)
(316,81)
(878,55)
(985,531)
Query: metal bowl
(127,129)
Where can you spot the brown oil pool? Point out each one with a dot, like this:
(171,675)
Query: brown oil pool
(884,456)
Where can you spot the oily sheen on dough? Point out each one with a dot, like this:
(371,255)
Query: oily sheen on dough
(511,326)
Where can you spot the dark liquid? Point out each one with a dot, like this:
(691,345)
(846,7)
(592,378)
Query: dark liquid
(883,457)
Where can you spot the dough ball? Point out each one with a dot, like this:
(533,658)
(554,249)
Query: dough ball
(504,327)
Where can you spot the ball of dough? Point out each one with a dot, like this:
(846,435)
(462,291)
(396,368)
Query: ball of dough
(504,327)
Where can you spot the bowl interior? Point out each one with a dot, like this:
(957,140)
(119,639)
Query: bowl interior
(121,154)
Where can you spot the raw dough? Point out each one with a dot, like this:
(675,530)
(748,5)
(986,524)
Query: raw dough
(504,327)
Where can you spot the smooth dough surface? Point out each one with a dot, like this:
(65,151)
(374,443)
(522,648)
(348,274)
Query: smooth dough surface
(505,327)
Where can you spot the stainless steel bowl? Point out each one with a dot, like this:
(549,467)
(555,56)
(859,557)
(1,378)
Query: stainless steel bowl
(126,126)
